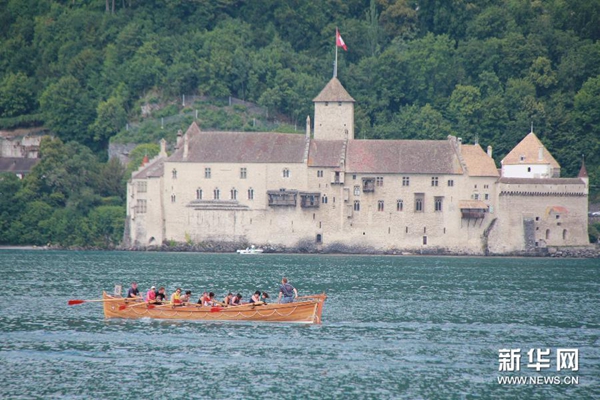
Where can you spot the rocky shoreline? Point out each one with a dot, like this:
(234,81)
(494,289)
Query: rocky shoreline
(339,248)
(592,251)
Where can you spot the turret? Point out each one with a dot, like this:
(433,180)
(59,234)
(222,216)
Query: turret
(334,113)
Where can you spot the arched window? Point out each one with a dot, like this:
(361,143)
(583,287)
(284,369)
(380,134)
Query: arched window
(198,194)
(250,194)
(547,234)
(233,194)
(324,199)
(564,234)
(173,198)
(356,205)
(286,173)
(174,172)
(216,194)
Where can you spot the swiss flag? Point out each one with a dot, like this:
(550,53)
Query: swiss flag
(339,41)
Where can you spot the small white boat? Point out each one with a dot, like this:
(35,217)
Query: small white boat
(250,250)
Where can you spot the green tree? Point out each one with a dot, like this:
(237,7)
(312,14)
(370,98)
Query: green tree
(106,224)
(68,111)
(16,95)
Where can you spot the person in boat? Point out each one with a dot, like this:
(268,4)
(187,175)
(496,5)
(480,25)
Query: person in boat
(227,299)
(133,291)
(255,297)
(151,295)
(176,297)
(264,297)
(186,297)
(160,296)
(203,299)
(236,300)
(287,293)
(211,301)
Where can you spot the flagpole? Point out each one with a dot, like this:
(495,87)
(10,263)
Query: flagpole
(335,64)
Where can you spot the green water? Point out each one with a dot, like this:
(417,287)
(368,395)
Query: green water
(393,327)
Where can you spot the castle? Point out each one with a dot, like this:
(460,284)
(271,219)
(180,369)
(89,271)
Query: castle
(326,188)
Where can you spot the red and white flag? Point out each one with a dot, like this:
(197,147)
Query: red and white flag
(339,41)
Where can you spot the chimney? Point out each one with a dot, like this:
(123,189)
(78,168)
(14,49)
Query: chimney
(163,148)
(541,153)
(145,160)
(185,146)
(179,138)
(308,126)
(489,151)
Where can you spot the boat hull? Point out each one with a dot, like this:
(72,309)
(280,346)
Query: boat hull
(307,310)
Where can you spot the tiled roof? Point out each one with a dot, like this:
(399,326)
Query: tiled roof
(17,165)
(528,150)
(333,91)
(152,170)
(402,156)
(325,153)
(472,204)
(542,181)
(477,161)
(557,210)
(242,147)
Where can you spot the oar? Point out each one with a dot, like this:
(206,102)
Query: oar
(124,306)
(74,302)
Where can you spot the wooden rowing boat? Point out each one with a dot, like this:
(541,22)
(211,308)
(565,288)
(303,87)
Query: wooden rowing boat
(305,310)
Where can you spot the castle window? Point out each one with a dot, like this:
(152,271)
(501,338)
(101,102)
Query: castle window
(450,182)
(487,196)
(326,103)
(198,194)
(438,203)
(528,169)
(356,205)
(368,185)
(324,199)
(379,181)
(207,173)
(547,234)
(282,197)
(286,173)
(357,190)
(434,181)
(142,186)
(173,198)
(354,177)
(424,240)
(419,202)
(405,181)
(380,205)
(522,158)
(339,103)
(233,194)
(216,194)
(564,234)
(399,205)
(250,194)
(140,207)
(486,186)
(243,173)
(309,200)
(320,173)
(475,196)
(174,172)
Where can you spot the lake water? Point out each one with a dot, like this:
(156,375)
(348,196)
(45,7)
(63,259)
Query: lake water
(393,327)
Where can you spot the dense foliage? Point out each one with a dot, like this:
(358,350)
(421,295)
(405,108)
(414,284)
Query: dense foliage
(484,70)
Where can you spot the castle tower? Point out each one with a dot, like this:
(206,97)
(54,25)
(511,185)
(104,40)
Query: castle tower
(334,113)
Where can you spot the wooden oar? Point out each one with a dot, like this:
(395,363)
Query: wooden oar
(74,302)
(124,306)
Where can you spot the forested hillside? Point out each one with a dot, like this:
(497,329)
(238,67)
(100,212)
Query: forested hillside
(484,70)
